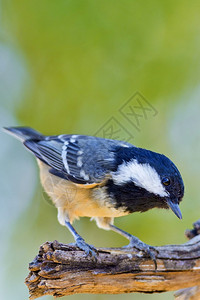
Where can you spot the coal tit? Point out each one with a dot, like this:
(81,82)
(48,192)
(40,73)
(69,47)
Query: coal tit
(103,179)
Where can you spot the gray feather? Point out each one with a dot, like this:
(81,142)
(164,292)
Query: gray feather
(81,159)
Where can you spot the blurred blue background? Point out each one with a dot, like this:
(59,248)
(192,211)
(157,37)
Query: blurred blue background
(70,67)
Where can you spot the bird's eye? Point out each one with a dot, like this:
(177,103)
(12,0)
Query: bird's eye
(166,181)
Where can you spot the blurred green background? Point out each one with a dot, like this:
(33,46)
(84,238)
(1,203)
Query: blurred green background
(68,67)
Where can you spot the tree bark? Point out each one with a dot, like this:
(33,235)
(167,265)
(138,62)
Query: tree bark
(61,270)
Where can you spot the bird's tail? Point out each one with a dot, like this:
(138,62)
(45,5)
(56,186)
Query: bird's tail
(23,133)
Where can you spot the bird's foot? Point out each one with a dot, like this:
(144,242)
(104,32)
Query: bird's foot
(137,243)
(88,249)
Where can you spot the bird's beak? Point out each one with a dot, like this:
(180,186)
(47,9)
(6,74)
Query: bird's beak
(175,208)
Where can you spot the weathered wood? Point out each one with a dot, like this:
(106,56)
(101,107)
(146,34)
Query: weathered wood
(61,270)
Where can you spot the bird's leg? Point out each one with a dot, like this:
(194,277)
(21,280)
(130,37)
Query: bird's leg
(135,242)
(80,242)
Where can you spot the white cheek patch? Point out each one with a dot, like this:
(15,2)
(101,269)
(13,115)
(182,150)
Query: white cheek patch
(143,175)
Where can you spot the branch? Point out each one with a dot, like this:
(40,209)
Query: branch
(61,270)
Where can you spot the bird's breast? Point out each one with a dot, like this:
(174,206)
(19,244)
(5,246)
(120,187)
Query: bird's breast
(77,200)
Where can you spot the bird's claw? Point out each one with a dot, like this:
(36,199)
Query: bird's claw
(88,249)
(137,243)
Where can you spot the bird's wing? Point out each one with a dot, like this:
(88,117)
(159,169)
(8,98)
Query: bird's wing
(80,159)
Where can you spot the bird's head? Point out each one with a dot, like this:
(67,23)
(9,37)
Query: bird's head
(150,179)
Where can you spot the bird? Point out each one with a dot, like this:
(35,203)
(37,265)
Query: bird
(88,176)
